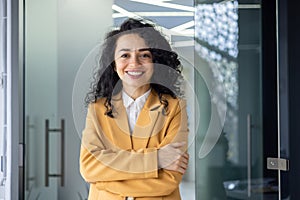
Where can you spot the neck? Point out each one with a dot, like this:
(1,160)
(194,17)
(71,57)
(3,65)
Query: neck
(134,93)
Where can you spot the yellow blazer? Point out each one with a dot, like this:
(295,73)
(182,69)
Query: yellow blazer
(118,164)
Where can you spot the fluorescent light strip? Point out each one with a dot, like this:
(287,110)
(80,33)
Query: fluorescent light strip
(167,5)
(243,6)
(185,33)
(184,26)
(225,1)
(249,6)
(124,12)
(157,14)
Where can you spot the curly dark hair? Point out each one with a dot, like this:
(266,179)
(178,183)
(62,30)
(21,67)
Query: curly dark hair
(165,80)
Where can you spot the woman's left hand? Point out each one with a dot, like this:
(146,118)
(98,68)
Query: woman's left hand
(180,165)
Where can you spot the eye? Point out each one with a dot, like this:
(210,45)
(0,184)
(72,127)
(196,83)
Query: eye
(125,55)
(146,55)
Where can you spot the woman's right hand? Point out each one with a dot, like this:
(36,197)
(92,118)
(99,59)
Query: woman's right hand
(170,157)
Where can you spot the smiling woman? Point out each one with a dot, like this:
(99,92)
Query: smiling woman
(134,66)
(135,140)
(167,67)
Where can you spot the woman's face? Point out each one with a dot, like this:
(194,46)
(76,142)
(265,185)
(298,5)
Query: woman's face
(133,62)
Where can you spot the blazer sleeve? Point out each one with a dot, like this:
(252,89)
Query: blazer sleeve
(167,180)
(99,163)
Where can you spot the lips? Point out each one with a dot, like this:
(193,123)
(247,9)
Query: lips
(135,73)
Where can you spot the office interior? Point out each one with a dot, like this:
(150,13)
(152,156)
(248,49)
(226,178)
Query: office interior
(240,63)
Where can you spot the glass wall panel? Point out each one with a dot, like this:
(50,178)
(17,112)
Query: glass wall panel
(58,37)
(229,87)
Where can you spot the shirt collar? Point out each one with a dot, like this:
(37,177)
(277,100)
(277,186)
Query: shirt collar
(140,101)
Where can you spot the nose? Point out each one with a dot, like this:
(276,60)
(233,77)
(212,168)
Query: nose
(134,60)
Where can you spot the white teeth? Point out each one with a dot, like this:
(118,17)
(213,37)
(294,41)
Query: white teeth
(135,73)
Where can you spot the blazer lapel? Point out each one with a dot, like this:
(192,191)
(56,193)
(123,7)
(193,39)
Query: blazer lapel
(121,121)
(147,120)
(150,121)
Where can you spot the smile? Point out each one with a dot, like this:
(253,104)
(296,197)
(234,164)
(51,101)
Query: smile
(134,73)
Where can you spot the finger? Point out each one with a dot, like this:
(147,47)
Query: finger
(182,170)
(186,156)
(185,161)
(184,167)
(181,159)
(176,167)
(182,164)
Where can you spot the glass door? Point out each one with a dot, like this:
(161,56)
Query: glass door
(232,85)
(58,36)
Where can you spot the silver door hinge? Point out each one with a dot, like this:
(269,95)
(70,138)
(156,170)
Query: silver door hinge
(278,164)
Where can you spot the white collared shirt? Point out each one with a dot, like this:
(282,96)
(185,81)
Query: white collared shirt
(134,107)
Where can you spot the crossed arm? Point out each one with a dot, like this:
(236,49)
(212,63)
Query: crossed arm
(136,172)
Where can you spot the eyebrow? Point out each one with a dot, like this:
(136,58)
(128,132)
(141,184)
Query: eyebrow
(140,50)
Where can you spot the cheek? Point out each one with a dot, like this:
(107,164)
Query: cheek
(151,69)
(119,66)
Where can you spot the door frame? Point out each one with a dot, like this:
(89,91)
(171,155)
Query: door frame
(280,44)
(14,140)
(293,134)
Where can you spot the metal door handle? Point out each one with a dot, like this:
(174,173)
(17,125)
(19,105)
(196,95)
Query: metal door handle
(62,162)
(27,144)
(249,152)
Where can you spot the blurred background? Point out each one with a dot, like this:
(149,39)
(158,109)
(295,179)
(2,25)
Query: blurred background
(239,63)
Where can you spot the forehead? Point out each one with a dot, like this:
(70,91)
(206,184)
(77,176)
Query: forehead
(130,41)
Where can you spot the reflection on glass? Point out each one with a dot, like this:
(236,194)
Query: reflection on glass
(231,55)
(216,32)
(227,72)
(217,24)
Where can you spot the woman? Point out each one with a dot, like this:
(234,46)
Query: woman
(135,140)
